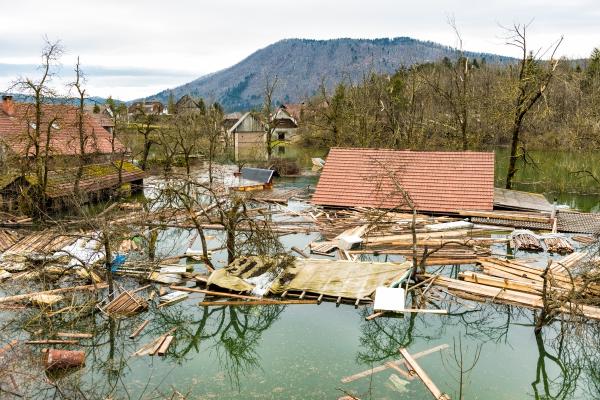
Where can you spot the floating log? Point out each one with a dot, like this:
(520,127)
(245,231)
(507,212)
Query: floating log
(61,359)
(8,347)
(51,341)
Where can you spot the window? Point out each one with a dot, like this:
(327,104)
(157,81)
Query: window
(281,135)
(55,125)
(32,125)
(280,150)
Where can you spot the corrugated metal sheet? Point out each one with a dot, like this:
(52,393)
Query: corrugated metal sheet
(436,181)
(258,175)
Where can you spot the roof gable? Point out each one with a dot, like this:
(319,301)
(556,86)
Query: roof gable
(435,181)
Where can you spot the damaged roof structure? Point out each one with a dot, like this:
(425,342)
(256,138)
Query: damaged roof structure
(435,181)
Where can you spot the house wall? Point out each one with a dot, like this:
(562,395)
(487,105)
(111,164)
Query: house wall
(289,133)
(250,124)
(249,145)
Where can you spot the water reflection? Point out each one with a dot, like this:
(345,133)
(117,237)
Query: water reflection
(233,333)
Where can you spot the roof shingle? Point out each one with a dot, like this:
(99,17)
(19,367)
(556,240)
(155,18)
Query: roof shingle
(16,131)
(435,181)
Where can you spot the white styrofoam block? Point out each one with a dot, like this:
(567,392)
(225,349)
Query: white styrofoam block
(389,299)
(347,242)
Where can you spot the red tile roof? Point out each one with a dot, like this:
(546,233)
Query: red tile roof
(435,181)
(64,137)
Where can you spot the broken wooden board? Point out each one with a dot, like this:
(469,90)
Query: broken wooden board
(520,201)
(385,366)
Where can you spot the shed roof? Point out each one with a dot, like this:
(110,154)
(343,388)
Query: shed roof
(94,177)
(258,175)
(435,181)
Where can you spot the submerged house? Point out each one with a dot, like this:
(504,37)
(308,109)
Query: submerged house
(253,179)
(59,144)
(248,136)
(286,121)
(435,181)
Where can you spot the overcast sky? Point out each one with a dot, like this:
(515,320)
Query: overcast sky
(136,48)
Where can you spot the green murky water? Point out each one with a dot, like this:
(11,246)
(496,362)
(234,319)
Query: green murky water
(303,351)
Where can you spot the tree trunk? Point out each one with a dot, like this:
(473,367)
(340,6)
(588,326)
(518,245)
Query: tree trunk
(108,266)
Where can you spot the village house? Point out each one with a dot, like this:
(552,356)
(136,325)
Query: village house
(286,119)
(247,135)
(104,169)
(434,181)
(146,107)
(186,104)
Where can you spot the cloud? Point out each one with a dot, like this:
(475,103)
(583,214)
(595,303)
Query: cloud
(153,38)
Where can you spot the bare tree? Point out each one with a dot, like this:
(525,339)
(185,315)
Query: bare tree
(534,77)
(39,126)
(268,115)
(83,135)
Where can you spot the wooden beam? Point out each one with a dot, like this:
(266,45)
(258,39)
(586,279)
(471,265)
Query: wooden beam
(253,303)
(412,363)
(139,329)
(26,296)
(383,367)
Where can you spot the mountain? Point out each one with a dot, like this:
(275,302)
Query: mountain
(24,98)
(301,65)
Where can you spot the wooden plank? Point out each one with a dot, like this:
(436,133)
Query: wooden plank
(26,296)
(514,216)
(412,363)
(213,293)
(139,329)
(399,370)
(254,303)
(75,335)
(383,367)
(165,345)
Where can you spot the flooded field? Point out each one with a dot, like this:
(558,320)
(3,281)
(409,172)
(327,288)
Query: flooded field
(305,351)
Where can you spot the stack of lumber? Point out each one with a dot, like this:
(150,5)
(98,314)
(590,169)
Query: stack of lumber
(332,223)
(484,291)
(570,261)
(558,244)
(127,303)
(158,346)
(514,282)
(526,241)
(323,248)
(557,277)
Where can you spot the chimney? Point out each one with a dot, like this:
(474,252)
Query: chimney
(8,105)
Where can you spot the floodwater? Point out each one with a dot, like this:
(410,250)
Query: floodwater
(303,351)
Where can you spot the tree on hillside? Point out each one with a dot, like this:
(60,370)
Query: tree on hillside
(171,104)
(534,76)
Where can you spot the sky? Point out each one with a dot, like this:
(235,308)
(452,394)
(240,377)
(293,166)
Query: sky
(133,48)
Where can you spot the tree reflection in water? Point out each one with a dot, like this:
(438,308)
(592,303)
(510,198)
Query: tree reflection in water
(232,332)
